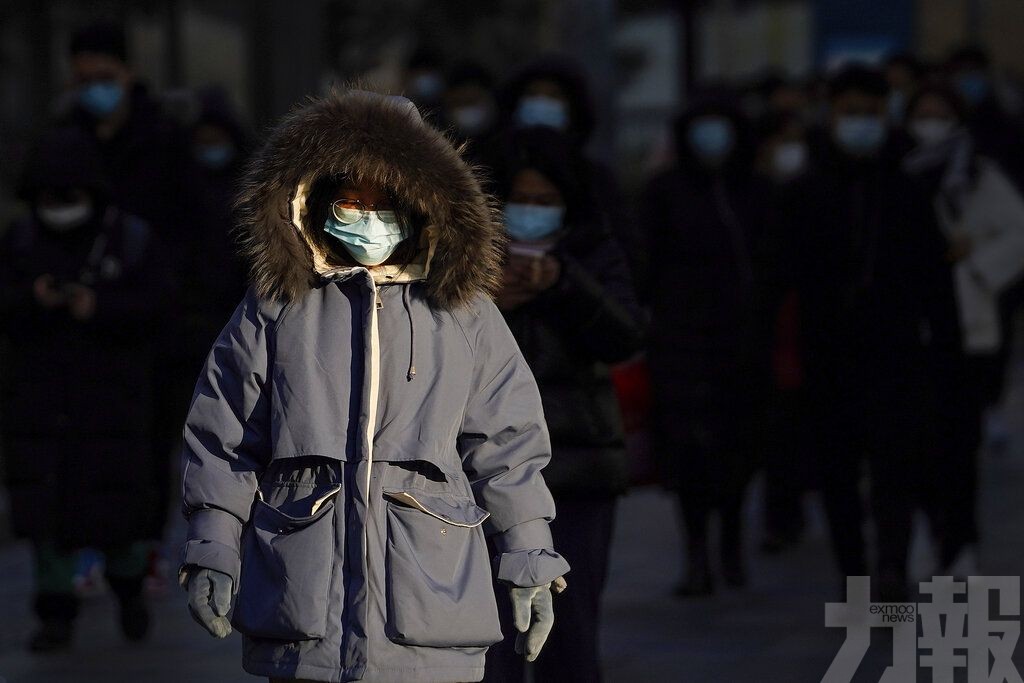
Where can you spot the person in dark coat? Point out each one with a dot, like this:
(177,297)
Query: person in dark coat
(879,329)
(219,146)
(214,275)
(470,108)
(702,232)
(140,147)
(997,134)
(82,283)
(142,155)
(423,80)
(568,298)
(783,159)
(981,214)
(552,92)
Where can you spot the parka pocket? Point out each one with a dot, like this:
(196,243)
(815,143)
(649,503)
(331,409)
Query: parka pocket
(438,576)
(287,563)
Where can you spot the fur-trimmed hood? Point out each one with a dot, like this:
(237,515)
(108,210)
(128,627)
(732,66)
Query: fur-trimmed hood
(382,140)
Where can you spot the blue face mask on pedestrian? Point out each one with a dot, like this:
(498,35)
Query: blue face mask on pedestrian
(860,135)
(531,222)
(372,239)
(216,156)
(973,86)
(101,98)
(541,110)
(712,138)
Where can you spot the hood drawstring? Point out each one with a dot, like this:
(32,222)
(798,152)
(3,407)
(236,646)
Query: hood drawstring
(412,334)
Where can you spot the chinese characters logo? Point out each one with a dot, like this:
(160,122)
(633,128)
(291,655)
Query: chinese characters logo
(970,625)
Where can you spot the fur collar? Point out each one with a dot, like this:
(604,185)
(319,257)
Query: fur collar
(383,140)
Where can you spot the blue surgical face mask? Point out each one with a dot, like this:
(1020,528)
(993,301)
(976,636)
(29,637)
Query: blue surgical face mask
(472,119)
(973,86)
(897,106)
(712,138)
(530,222)
(541,110)
(860,135)
(370,241)
(426,87)
(101,98)
(215,156)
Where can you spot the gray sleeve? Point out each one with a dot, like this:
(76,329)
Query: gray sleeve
(504,445)
(226,441)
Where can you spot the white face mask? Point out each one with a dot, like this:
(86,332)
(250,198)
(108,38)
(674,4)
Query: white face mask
(65,218)
(789,159)
(931,131)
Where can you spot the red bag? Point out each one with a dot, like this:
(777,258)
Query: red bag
(632,382)
(787,369)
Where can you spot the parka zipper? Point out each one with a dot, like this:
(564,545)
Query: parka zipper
(374,381)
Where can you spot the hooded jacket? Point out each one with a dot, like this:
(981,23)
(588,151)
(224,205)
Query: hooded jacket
(357,432)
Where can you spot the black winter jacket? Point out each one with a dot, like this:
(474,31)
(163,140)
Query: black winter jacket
(569,335)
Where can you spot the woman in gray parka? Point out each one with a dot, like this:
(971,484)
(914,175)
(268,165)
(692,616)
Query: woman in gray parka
(365,419)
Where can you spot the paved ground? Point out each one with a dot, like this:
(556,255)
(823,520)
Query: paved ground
(772,631)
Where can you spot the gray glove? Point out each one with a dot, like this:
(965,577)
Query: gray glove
(533,615)
(209,599)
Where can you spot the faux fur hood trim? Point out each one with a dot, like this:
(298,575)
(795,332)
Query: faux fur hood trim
(383,140)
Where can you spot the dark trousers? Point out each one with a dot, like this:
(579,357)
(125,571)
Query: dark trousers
(785,464)
(54,572)
(912,433)
(837,439)
(582,531)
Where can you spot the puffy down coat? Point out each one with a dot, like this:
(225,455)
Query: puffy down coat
(358,432)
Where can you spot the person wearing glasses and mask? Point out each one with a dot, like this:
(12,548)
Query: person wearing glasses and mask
(366,426)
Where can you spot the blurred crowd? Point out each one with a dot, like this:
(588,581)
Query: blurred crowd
(818,282)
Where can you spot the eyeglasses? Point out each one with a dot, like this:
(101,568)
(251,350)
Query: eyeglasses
(349,211)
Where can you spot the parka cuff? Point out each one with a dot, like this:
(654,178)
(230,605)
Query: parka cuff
(525,536)
(528,568)
(525,555)
(213,541)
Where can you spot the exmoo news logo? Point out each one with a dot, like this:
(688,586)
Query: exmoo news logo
(970,625)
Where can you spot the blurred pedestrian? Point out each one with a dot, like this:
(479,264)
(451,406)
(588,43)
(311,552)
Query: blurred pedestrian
(702,226)
(214,274)
(365,420)
(139,146)
(82,284)
(424,81)
(782,161)
(552,92)
(470,108)
(142,152)
(879,329)
(777,94)
(567,296)
(903,73)
(997,134)
(981,214)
